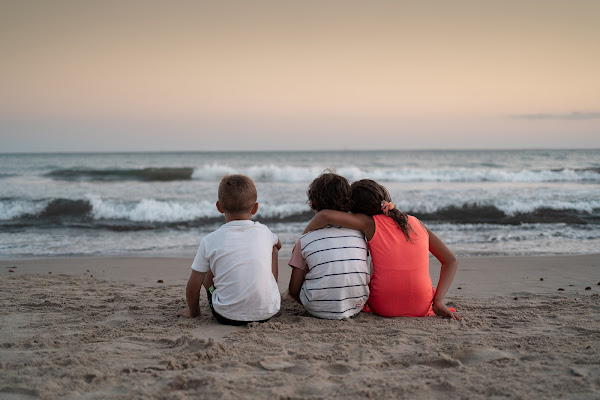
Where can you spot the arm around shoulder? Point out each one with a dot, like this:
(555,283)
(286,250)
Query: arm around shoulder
(359,222)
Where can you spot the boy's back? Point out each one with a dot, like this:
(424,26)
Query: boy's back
(336,285)
(239,254)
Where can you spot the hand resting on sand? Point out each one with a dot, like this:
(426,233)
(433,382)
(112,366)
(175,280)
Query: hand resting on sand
(287,296)
(442,310)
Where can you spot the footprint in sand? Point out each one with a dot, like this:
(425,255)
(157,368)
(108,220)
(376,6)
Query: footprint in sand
(338,369)
(442,362)
(477,355)
(275,364)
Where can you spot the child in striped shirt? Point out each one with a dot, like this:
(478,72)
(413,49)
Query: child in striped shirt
(330,275)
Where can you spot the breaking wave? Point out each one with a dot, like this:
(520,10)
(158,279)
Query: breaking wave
(144,174)
(115,215)
(273,173)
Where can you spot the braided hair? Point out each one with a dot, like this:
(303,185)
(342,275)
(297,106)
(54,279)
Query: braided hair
(367,196)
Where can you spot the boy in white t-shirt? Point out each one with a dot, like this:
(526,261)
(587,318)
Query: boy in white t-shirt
(237,263)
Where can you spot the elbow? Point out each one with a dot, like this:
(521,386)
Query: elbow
(451,262)
(454,262)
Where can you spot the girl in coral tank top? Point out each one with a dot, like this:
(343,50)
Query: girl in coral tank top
(399,245)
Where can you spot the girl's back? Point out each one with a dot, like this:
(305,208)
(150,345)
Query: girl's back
(400,284)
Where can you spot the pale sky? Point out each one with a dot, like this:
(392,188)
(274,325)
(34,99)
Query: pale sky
(292,75)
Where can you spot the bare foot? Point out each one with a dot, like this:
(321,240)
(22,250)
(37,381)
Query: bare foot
(185,313)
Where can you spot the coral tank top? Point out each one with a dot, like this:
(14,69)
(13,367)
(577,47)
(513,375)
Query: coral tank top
(400,284)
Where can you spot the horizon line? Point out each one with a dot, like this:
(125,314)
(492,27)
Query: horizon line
(300,151)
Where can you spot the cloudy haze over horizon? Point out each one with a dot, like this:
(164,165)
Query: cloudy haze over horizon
(283,75)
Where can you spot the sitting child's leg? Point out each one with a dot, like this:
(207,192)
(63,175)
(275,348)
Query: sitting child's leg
(275,263)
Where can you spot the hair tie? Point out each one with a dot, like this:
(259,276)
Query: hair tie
(386,206)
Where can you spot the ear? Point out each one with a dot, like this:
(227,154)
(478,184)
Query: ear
(219,208)
(254,209)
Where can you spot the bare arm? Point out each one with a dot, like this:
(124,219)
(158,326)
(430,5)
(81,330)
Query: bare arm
(296,282)
(447,272)
(275,261)
(192,295)
(360,222)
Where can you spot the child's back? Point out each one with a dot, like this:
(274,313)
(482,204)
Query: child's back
(400,284)
(237,263)
(239,256)
(330,275)
(336,284)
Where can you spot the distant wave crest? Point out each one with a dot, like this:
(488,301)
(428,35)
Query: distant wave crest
(144,174)
(273,173)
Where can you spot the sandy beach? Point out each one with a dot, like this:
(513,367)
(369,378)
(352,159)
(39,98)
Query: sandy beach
(105,327)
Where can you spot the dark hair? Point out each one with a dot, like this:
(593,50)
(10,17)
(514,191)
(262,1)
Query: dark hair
(237,193)
(367,196)
(329,191)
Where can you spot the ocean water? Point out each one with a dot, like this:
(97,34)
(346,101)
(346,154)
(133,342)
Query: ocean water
(513,202)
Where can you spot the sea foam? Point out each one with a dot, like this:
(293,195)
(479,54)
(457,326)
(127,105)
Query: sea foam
(273,173)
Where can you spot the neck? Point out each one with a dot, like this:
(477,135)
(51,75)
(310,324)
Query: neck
(230,217)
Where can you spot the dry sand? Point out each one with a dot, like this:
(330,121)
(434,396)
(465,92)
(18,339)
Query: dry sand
(106,328)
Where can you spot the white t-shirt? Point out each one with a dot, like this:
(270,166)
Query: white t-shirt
(239,254)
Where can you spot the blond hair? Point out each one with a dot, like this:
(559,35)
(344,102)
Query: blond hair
(237,193)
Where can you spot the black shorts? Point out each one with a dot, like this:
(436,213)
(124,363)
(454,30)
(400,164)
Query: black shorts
(222,319)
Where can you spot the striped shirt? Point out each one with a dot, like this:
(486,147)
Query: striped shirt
(336,284)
